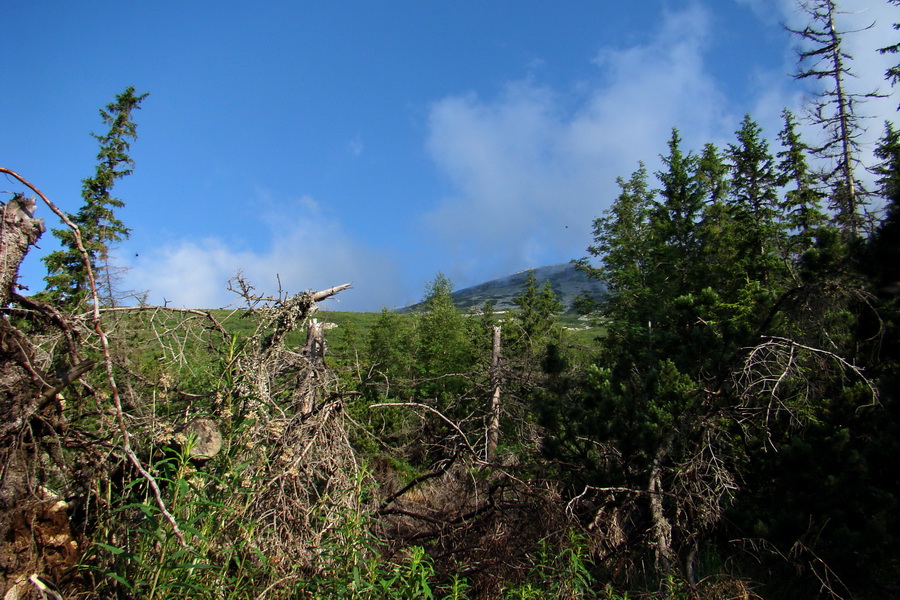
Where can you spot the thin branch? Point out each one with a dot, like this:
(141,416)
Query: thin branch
(107,357)
(440,416)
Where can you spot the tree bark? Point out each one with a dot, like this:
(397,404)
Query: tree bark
(34,528)
(19,231)
(315,354)
(315,342)
(20,380)
(662,529)
(493,431)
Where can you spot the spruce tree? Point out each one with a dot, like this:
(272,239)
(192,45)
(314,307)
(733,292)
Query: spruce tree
(801,204)
(535,319)
(676,215)
(893,73)
(445,347)
(835,108)
(67,276)
(754,201)
(621,237)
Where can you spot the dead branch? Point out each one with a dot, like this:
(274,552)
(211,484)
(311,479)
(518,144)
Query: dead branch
(776,369)
(214,323)
(440,415)
(104,342)
(446,464)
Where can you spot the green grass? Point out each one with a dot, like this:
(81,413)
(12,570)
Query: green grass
(352,327)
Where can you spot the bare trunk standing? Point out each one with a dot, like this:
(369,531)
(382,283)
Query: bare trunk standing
(493,431)
(315,342)
(19,230)
(21,380)
(823,57)
(662,529)
(35,536)
(315,354)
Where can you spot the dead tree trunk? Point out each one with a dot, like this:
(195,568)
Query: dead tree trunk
(21,381)
(493,430)
(662,529)
(19,231)
(315,342)
(35,537)
(315,354)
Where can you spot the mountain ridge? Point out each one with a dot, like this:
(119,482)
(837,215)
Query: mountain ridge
(566,281)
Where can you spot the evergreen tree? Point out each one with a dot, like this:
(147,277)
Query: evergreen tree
(535,319)
(717,225)
(621,240)
(835,109)
(677,243)
(893,73)
(801,206)
(67,275)
(753,202)
(391,348)
(446,347)
(695,274)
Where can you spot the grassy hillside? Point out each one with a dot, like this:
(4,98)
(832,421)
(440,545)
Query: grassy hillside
(351,328)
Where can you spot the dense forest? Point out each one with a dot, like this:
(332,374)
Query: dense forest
(728,427)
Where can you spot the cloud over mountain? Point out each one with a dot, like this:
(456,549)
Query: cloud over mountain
(533,166)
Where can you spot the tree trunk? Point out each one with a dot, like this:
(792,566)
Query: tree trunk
(493,431)
(315,354)
(21,382)
(35,536)
(19,231)
(662,529)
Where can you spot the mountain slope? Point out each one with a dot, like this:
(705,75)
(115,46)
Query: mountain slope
(566,281)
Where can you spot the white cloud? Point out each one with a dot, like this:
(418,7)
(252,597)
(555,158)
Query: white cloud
(532,174)
(308,250)
(533,166)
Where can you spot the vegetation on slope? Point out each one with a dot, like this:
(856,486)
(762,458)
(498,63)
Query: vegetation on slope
(731,430)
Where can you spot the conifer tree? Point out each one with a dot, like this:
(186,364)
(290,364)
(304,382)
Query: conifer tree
(893,73)
(717,225)
(67,276)
(535,318)
(801,205)
(675,217)
(835,108)
(621,236)
(884,257)
(391,345)
(445,345)
(754,200)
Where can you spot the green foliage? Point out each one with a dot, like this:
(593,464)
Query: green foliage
(563,572)
(354,568)
(802,201)
(535,321)
(391,345)
(151,562)
(753,204)
(622,238)
(445,342)
(729,251)
(67,276)
(746,388)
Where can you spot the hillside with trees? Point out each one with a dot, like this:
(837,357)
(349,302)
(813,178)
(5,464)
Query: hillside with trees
(575,289)
(729,429)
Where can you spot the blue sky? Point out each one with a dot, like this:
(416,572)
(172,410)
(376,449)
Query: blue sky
(319,143)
